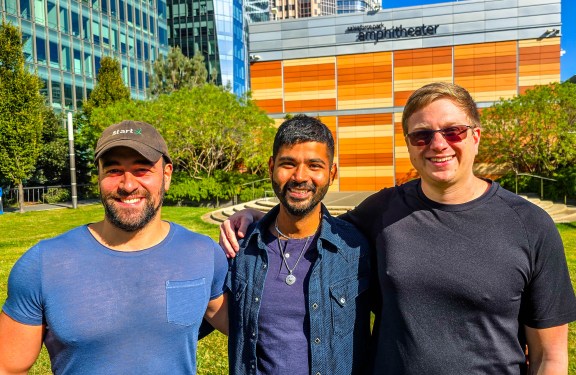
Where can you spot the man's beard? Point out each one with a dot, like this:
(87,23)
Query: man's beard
(128,223)
(300,210)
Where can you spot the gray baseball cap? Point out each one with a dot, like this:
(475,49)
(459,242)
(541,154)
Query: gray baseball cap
(139,136)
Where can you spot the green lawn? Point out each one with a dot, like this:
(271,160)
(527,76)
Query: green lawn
(18,232)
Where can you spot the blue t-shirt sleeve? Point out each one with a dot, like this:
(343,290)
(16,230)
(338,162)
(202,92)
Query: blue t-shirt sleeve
(24,302)
(220,272)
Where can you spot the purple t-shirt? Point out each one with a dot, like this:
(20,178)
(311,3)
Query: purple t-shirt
(283,320)
(114,312)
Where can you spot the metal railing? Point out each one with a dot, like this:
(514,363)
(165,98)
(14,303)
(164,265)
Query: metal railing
(37,194)
(534,176)
(252,183)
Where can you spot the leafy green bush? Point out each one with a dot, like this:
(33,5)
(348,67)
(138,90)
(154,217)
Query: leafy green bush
(221,186)
(56,195)
(563,187)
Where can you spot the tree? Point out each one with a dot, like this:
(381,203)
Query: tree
(534,133)
(21,110)
(109,89)
(176,71)
(207,128)
(53,161)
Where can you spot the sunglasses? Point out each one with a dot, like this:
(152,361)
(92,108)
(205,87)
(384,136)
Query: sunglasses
(453,134)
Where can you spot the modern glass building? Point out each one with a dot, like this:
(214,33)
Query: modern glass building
(215,28)
(356,71)
(65,40)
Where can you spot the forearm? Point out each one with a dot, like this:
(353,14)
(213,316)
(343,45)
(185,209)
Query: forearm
(217,313)
(547,350)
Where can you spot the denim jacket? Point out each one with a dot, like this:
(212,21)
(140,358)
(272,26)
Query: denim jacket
(337,299)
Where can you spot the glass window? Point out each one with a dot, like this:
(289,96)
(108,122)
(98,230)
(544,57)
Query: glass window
(79,96)
(138,49)
(105,35)
(68,96)
(56,94)
(77,61)
(39,15)
(85,27)
(52,16)
(132,78)
(161,6)
(95,4)
(113,7)
(122,12)
(104,6)
(137,16)
(130,45)
(144,20)
(75,23)
(11,7)
(163,36)
(125,74)
(66,62)
(140,80)
(88,65)
(96,32)
(27,47)
(151,25)
(146,51)
(40,50)
(123,42)
(64,19)
(113,38)
(25,11)
(54,61)
(130,15)
(97,63)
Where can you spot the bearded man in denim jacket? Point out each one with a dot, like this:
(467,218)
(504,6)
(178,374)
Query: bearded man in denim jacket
(298,288)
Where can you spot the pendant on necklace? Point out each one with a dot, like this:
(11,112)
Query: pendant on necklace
(290,279)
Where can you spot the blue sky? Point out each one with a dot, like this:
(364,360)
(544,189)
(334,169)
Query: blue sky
(567,62)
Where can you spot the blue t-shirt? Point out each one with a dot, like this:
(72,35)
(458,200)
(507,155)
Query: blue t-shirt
(115,312)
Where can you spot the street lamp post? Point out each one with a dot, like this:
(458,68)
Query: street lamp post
(72,162)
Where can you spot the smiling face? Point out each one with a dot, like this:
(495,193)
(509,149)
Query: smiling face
(301,175)
(442,164)
(132,188)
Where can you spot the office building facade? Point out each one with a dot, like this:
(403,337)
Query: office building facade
(65,40)
(216,29)
(356,71)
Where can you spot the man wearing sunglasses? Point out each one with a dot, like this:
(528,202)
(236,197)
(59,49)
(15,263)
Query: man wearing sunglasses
(470,275)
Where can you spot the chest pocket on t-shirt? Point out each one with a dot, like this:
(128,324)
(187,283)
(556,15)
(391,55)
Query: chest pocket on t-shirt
(186,301)
(343,296)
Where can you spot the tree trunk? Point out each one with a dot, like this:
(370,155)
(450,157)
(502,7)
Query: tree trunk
(21,196)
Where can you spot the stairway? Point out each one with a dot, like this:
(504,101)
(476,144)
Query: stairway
(264,205)
(559,212)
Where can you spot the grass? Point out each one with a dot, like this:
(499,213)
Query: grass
(19,232)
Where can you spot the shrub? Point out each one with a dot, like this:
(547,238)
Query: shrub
(56,195)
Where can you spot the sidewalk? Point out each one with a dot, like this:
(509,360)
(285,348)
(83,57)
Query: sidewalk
(49,206)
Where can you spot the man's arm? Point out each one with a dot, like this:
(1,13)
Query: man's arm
(235,227)
(217,313)
(547,350)
(20,345)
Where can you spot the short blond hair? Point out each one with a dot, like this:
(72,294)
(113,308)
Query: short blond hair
(440,90)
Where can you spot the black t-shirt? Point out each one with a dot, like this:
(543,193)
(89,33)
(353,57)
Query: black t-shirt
(458,282)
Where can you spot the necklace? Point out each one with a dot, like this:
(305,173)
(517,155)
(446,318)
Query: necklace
(290,279)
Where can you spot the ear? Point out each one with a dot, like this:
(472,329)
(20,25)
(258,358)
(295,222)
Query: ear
(476,133)
(168,169)
(271,166)
(333,172)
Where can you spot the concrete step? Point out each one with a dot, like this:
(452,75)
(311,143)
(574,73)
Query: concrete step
(559,212)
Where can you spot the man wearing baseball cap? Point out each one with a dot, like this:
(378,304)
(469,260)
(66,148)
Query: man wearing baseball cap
(125,295)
